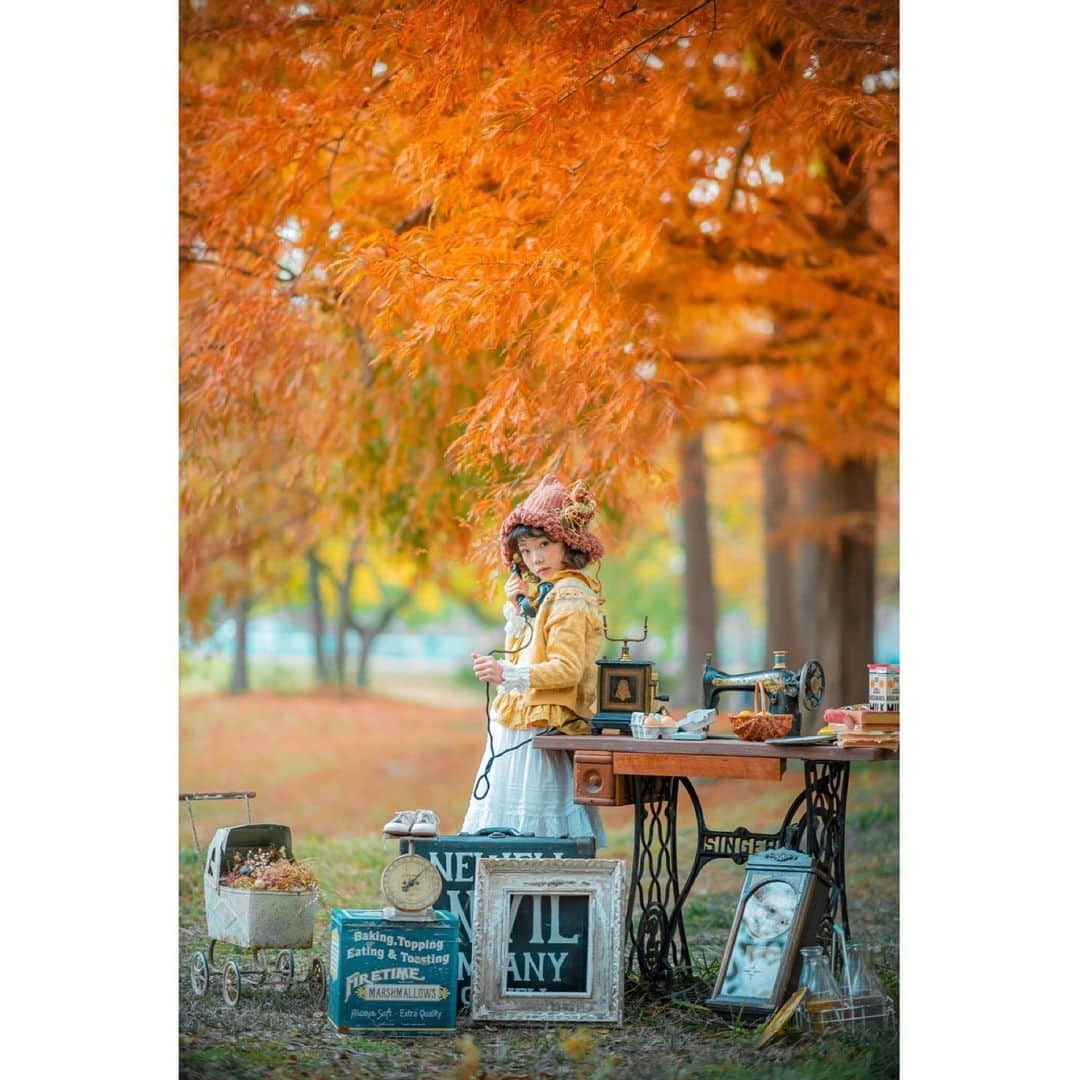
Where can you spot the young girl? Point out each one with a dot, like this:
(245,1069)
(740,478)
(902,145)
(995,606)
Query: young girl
(548,680)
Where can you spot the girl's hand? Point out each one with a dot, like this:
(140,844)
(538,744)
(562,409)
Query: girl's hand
(487,668)
(515,586)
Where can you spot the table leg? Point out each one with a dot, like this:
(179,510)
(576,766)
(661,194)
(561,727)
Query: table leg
(817,820)
(655,936)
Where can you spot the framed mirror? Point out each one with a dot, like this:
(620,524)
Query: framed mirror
(780,910)
(547,940)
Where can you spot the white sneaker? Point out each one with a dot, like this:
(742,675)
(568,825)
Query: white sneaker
(425,823)
(400,823)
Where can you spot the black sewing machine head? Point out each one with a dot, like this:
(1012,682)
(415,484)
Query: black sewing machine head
(625,686)
(788,691)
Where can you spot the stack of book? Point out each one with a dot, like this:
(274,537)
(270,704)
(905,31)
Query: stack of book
(866,727)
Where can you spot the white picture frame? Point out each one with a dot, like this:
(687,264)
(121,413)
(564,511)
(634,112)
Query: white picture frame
(500,885)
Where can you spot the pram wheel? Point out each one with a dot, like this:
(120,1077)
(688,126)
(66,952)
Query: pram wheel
(286,968)
(200,974)
(230,984)
(317,980)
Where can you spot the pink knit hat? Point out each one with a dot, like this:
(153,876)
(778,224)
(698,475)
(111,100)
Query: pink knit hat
(563,514)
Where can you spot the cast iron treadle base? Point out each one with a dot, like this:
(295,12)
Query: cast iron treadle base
(657,945)
(814,824)
(819,831)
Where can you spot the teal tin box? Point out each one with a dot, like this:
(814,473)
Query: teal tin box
(393,975)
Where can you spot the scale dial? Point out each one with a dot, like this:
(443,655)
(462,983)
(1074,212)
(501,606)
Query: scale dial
(411,883)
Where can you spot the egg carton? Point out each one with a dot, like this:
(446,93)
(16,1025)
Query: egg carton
(696,721)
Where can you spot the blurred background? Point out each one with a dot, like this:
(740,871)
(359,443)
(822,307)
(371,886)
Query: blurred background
(395,632)
(426,259)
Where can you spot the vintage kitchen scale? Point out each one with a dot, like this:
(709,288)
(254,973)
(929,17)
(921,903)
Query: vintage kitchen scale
(624,687)
(412,885)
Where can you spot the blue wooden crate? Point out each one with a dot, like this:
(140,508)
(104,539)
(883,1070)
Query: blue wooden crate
(537,966)
(393,975)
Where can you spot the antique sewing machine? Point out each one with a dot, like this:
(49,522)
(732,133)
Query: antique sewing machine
(788,691)
(625,686)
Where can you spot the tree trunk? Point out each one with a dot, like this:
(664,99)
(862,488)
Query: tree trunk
(238,683)
(363,655)
(837,579)
(344,619)
(782,628)
(318,619)
(837,586)
(369,633)
(698,577)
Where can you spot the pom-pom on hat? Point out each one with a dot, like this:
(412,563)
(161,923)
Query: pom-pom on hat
(564,514)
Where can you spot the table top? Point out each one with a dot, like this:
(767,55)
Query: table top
(712,748)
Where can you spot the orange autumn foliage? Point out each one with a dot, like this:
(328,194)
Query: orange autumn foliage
(434,249)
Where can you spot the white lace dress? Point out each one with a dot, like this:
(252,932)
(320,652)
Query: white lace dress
(530,790)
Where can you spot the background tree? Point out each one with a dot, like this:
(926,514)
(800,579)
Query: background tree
(550,233)
(370,592)
(318,619)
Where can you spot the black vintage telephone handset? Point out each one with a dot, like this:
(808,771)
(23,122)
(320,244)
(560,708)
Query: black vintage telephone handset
(524,603)
(483,784)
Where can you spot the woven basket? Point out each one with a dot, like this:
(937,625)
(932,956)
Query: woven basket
(761,724)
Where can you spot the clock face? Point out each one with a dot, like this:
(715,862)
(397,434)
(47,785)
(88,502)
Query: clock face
(411,883)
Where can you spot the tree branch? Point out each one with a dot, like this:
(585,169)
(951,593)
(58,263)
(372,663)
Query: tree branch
(816,27)
(337,143)
(600,72)
(419,216)
(220,265)
(736,165)
(785,433)
(772,357)
(726,253)
(206,261)
(634,48)
(385,617)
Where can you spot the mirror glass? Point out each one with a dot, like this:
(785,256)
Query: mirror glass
(761,940)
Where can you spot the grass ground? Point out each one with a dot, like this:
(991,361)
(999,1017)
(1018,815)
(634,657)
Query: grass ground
(334,768)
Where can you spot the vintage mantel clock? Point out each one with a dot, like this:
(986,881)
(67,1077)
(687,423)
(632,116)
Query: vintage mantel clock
(625,686)
(411,884)
(780,910)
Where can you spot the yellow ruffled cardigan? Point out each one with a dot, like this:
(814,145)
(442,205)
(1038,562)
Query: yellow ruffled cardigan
(567,639)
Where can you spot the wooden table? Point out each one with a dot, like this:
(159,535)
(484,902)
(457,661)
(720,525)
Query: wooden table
(616,770)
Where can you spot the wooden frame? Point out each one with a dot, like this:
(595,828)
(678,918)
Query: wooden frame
(501,884)
(780,910)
